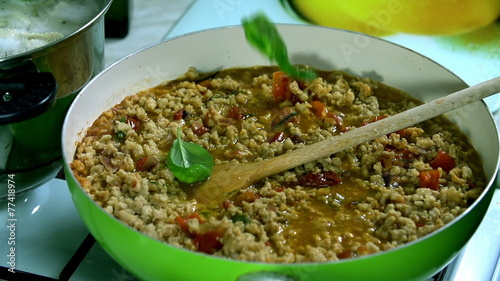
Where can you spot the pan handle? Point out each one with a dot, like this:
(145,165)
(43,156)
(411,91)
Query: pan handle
(26,95)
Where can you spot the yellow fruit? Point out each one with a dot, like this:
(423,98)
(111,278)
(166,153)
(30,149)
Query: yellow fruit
(431,17)
(329,13)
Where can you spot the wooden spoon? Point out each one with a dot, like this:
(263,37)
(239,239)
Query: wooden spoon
(230,177)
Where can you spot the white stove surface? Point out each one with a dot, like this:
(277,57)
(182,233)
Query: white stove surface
(49,230)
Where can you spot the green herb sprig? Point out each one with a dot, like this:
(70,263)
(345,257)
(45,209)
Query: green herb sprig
(189,162)
(263,35)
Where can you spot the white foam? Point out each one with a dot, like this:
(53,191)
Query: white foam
(26,25)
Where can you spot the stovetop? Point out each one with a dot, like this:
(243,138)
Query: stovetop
(52,243)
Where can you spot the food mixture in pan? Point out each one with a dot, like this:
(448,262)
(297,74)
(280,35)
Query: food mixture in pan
(367,199)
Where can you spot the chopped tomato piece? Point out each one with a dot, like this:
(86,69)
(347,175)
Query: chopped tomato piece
(337,120)
(134,123)
(146,163)
(227,204)
(180,114)
(206,83)
(237,113)
(401,157)
(297,139)
(209,242)
(281,87)
(420,223)
(198,128)
(206,119)
(318,109)
(201,131)
(444,161)
(404,133)
(277,137)
(245,196)
(287,114)
(302,85)
(345,254)
(321,179)
(430,179)
(183,223)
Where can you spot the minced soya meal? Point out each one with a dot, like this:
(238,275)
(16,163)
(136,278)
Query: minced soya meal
(367,199)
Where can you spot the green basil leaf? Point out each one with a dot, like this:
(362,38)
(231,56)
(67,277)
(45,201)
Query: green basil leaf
(244,218)
(189,162)
(263,35)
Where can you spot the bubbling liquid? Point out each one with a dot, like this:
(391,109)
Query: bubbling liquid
(29,24)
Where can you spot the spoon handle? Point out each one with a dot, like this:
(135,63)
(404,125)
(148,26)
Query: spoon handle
(377,129)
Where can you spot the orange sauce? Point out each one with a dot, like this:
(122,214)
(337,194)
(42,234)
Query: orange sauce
(333,214)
